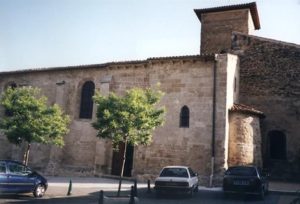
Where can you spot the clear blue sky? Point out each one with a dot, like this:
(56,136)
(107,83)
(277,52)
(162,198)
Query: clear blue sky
(48,33)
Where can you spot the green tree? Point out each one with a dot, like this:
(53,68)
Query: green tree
(130,119)
(29,119)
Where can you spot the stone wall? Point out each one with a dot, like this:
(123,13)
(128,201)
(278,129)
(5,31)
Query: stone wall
(245,140)
(216,29)
(185,81)
(190,84)
(227,75)
(269,81)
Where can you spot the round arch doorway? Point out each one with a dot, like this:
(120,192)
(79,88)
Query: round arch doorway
(277,145)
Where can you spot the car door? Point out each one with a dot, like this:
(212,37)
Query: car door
(3,177)
(19,178)
(194,177)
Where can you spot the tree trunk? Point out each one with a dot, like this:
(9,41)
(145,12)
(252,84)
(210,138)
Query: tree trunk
(122,170)
(26,155)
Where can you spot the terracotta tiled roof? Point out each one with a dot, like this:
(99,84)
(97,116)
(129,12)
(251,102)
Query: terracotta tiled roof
(246,109)
(251,6)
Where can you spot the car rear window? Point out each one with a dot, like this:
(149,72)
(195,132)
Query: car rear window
(174,172)
(241,171)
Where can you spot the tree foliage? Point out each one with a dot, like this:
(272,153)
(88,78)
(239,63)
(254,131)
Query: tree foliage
(130,118)
(28,118)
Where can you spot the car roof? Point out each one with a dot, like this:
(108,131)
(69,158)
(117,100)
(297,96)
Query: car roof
(242,166)
(184,167)
(11,161)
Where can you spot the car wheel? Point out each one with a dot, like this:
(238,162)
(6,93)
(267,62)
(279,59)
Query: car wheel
(262,194)
(267,189)
(191,193)
(39,191)
(197,188)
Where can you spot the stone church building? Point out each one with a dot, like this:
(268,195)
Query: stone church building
(237,102)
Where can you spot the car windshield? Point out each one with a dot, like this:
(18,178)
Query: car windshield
(241,171)
(174,172)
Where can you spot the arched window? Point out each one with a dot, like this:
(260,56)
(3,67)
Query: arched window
(277,142)
(184,117)
(86,105)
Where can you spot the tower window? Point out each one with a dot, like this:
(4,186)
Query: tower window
(184,117)
(277,142)
(86,105)
(234,84)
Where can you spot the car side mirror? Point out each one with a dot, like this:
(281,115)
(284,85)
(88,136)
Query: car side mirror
(28,172)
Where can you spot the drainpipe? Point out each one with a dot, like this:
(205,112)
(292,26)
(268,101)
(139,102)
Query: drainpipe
(213,124)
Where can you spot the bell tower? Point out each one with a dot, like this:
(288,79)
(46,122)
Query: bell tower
(217,25)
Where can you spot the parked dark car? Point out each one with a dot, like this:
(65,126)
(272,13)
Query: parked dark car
(245,179)
(176,179)
(18,178)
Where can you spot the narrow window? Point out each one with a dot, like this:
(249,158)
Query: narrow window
(86,105)
(234,84)
(277,142)
(184,117)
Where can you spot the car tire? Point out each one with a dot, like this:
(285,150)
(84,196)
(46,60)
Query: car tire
(197,188)
(191,193)
(39,191)
(267,189)
(262,194)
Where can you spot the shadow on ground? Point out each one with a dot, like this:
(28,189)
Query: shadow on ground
(144,197)
(110,197)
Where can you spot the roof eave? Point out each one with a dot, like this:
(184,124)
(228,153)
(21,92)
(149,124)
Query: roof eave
(251,6)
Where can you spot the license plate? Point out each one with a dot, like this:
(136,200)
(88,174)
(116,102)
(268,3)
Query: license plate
(241,182)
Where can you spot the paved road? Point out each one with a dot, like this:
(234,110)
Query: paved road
(87,192)
(204,197)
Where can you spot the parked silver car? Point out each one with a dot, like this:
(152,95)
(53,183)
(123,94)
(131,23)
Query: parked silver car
(176,179)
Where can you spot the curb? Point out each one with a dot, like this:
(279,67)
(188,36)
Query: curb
(282,192)
(214,189)
(113,177)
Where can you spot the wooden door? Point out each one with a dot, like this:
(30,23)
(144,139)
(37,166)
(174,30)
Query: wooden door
(118,158)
